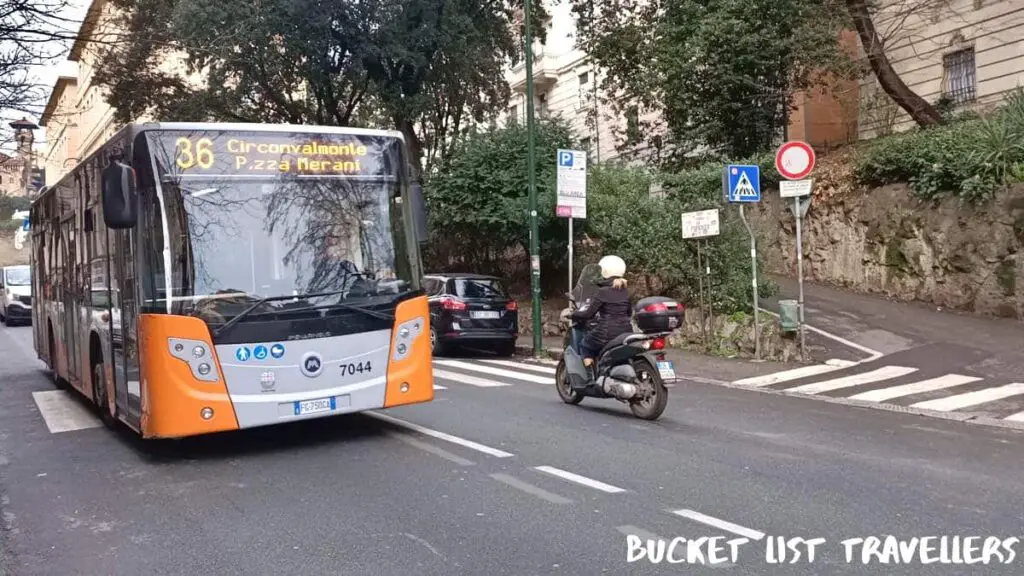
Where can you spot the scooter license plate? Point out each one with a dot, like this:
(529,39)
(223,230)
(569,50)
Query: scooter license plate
(666,370)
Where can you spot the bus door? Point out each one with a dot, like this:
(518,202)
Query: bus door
(124,349)
(71,300)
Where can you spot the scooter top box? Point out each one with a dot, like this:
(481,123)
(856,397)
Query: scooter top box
(658,314)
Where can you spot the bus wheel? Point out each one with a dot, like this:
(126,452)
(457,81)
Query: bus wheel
(99,394)
(58,382)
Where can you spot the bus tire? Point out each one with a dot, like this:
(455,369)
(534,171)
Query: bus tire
(51,350)
(99,394)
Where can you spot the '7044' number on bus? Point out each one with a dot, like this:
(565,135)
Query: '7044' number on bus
(353,368)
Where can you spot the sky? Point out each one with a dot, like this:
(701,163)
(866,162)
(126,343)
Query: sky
(46,75)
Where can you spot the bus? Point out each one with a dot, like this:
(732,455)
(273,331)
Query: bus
(195,278)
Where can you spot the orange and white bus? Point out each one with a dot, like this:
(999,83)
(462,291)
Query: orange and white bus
(197,278)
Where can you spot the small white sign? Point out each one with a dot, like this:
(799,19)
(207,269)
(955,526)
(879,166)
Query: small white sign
(572,184)
(700,224)
(794,188)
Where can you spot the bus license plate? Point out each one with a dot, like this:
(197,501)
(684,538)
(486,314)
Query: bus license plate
(314,406)
(485,315)
(666,370)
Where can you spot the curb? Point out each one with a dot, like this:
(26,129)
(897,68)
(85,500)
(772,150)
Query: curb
(545,353)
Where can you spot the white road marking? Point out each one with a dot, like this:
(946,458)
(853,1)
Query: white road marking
(787,375)
(441,435)
(720,524)
(588,482)
(630,530)
(932,385)
(971,398)
(873,354)
(531,489)
(522,366)
(883,373)
(1018,417)
(62,413)
(467,379)
(426,447)
(495,371)
(438,387)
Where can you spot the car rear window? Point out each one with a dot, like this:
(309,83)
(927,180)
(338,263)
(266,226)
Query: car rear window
(479,288)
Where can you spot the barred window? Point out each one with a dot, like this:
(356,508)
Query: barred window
(959,77)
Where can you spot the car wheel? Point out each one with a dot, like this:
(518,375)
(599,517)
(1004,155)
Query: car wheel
(436,346)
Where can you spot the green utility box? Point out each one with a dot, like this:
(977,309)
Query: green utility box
(789,315)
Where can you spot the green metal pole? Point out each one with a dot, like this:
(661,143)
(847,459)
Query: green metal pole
(532,178)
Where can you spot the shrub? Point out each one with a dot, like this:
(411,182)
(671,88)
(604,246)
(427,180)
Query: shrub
(646,232)
(971,158)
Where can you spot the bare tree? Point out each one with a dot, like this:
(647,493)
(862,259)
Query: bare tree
(32,33)
(922,112)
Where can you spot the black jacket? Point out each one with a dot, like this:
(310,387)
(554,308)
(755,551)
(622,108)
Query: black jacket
(614,315)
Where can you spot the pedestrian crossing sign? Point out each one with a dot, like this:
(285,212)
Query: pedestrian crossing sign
(742,183)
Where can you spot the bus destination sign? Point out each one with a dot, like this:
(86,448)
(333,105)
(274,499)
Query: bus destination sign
(276,153)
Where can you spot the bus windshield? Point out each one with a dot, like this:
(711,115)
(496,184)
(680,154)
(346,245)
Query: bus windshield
(238,237)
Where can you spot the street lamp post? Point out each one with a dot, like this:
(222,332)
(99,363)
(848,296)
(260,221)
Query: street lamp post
(532,183)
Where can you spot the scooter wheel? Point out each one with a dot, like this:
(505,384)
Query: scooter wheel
(565,391)
(655,394)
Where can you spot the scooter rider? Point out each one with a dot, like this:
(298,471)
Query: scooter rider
(611,304)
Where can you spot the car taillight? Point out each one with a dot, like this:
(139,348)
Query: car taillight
(656,307)
(453,304)
(512,305)
(658,344)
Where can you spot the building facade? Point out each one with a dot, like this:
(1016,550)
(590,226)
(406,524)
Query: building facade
(961,54)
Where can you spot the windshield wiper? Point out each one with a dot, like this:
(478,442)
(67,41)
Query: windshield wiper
(342,306)
(263,301)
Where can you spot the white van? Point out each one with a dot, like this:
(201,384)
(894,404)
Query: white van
(16,295)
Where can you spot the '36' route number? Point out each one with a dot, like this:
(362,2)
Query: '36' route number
(188,155)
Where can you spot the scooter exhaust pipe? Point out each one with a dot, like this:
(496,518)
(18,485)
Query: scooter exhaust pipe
(618,388)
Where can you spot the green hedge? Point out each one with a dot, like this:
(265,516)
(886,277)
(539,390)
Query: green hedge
(971,159)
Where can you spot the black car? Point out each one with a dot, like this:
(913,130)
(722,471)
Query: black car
(471,309)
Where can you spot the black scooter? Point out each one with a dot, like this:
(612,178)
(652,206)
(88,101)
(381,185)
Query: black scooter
(632,368)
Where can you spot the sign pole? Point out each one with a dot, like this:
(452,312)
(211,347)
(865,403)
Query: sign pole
(800,273)
(700,282)
(794,161)
(570,253)
(753,268)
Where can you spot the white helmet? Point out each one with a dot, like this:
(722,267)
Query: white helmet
(612,267)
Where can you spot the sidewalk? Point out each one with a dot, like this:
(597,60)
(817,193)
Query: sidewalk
(990,346)
(688,365)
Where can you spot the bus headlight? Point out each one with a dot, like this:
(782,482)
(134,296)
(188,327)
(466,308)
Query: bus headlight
(407,334)
(194,353)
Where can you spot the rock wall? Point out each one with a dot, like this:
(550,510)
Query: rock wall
(886,241)
(8,255)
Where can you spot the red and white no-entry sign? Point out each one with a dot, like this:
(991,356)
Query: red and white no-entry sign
(794,160)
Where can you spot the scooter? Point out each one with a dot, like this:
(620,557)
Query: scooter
(632,367)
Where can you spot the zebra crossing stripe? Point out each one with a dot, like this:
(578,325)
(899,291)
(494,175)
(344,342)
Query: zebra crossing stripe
(787,375)
(522,366)
(932,385)
(884,373)
(967,399)
(495,371)
(467,379)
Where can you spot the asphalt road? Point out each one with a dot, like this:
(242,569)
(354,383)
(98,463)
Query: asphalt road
(496,476)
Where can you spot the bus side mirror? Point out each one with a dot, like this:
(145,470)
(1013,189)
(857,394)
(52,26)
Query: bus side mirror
(419,212)
(120,204)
